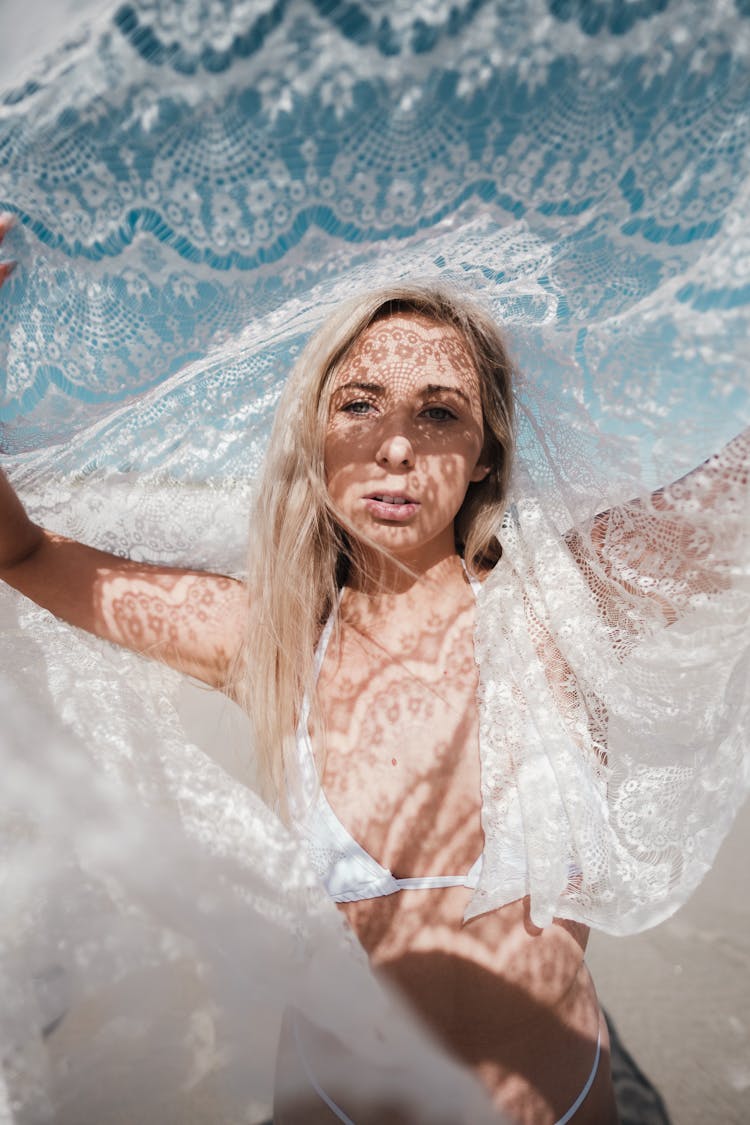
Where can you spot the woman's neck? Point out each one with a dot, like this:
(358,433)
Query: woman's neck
(403,595)
(381,573)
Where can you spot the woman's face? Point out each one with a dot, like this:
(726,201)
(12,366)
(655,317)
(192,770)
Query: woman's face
(405,435)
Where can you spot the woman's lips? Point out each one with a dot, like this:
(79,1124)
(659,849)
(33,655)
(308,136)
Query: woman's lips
(395,507)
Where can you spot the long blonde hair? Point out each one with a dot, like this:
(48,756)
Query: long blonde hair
(299,550)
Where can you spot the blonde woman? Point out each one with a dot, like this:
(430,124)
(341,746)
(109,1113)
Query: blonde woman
(382,491)
(351,646)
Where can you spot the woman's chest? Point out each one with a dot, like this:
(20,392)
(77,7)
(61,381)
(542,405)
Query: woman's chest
(397,738)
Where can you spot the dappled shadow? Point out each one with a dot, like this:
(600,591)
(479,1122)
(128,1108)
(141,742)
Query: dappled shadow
(405,422)
(190,620)
(538,1067)
(400,764)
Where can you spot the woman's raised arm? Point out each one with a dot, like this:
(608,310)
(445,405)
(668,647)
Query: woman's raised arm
(680,541)
(190,620)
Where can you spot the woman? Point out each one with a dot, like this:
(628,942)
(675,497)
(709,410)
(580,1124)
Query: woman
(381,496)
(376,525)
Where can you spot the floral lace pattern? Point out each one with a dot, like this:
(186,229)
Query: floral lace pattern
(199,167)
(197,184)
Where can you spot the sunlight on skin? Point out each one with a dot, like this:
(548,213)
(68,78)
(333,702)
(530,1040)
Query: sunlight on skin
(405,421)
(181,619)
(475,984)
(378,708)
(399,746)
(398,690)
(187,619)
(6,222)
(661,534)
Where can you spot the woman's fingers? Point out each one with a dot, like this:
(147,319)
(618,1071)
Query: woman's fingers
(7,219)
(6,222)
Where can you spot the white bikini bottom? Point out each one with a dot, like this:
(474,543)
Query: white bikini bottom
(340,1115)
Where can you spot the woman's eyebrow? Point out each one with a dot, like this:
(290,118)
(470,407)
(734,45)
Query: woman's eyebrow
(371,388)
(439,388)
(423,392)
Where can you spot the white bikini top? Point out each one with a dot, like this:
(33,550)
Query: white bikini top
(347,871)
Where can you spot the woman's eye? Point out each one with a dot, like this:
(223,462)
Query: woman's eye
(358,407)
(439,414)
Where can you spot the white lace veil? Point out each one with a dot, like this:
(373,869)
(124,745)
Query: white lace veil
(197,184)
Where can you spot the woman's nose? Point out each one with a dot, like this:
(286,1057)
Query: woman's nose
(395,451)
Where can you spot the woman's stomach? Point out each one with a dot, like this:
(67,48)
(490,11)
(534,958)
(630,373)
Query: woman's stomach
(513,1003)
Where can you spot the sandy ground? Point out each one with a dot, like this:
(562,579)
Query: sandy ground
(680,994)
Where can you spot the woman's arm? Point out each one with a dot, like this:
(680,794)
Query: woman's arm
(675,543)
(6,222)
(190,620)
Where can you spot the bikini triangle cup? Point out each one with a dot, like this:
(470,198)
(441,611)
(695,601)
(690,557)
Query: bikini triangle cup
(167,217)
(348,872)
(351,874)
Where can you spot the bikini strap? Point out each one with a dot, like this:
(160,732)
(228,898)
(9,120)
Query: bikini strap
(319,657)
(474,582)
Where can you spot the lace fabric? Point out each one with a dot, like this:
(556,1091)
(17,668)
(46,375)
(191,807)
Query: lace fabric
(197,185)
(626,738)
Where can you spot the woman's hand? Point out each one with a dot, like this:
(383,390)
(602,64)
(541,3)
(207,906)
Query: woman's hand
(18,535)
(6,268)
